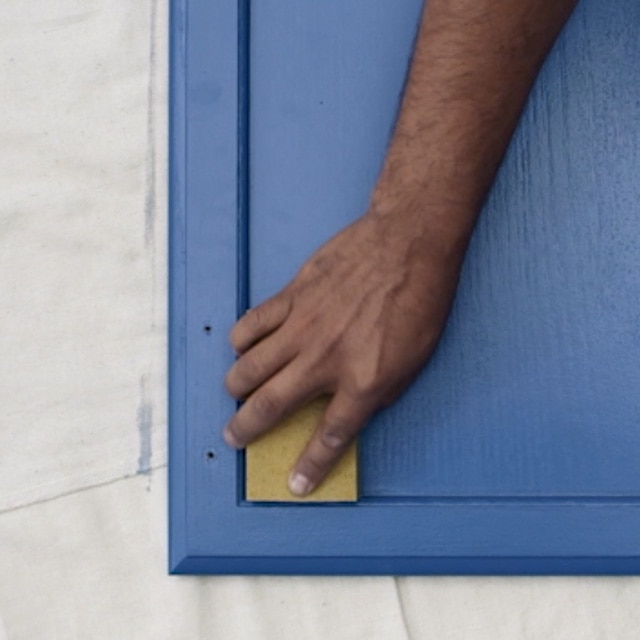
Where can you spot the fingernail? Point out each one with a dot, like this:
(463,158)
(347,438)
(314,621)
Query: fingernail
(299,484)
(230,439)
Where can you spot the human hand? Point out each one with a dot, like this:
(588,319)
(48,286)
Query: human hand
(358,322)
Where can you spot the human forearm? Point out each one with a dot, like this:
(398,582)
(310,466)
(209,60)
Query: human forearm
(472,69)
(364,313)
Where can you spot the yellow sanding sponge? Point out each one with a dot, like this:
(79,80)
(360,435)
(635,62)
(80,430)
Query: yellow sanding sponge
(270,459)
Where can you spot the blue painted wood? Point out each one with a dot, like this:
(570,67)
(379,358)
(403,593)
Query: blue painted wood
(516,450)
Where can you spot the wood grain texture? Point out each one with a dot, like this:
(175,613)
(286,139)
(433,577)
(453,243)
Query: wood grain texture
(270,459)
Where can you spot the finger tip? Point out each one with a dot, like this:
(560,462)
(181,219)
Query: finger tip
(230,439)
(299,484)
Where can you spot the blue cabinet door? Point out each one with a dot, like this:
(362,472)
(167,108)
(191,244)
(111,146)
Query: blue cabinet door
(516,450)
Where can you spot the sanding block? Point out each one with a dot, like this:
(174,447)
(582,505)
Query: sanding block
(270,459)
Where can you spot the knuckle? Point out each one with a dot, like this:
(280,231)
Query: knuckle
(246,329)
(316,267)
(256,318)
(337,434)
(249,368)
(367,382)
(334,439)
(243,375)
(308,271)
(365,387)
(265,405)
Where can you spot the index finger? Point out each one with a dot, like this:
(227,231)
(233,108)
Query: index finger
(341,422)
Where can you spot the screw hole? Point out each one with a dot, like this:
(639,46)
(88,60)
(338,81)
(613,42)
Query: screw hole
(210,455)
(207,328)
